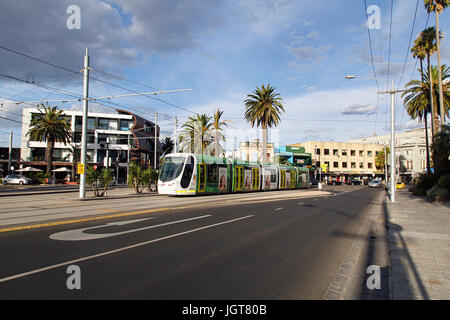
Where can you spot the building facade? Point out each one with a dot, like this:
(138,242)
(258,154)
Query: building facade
(116,138)
(343,160)
(252,151)
(410,148)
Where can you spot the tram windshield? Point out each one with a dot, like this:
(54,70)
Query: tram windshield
(171,168)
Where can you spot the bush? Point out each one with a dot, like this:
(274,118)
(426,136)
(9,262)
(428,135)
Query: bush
(423,184)
(437,194)
(444,182)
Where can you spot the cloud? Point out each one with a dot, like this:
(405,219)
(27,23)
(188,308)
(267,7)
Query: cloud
(359,109)
(308,52)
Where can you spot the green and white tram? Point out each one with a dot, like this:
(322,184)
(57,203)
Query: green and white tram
(194,174)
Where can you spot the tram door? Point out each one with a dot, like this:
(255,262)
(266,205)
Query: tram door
(201,177)
(255,178)
(238,178)
(282,179)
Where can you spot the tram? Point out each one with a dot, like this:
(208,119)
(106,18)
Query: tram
(195,174)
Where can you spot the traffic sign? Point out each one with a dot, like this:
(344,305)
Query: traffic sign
(80,168)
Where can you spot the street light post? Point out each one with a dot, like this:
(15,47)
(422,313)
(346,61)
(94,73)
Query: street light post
(392,92)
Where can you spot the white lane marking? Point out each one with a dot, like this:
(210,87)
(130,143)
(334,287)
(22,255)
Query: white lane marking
(21,275)
(301,203)
(80,235)
(279,209)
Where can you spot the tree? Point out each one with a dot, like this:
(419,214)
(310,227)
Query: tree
(441,152)
(217,132)
(380,159)
(428,39)
(99,180)
(139,178)
(263,108)
(75,155)
(150,176)
(51,126)
(196,134)
(438,7)
(167,145)
(421,111)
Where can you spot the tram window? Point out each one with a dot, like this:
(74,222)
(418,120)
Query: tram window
(187,173)
(211,173)
(273,176)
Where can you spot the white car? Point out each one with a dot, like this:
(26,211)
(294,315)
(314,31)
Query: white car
(375,184)
(16,179)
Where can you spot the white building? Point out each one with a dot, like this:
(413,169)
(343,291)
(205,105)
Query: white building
(410,148)
(129,137)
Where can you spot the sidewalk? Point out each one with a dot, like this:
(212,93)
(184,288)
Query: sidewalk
(419,245)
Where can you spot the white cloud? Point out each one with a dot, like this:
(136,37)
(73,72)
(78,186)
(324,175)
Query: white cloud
(359,109)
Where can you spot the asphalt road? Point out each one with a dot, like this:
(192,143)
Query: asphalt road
(282,249)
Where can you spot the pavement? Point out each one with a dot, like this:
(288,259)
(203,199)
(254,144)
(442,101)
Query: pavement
(419,245)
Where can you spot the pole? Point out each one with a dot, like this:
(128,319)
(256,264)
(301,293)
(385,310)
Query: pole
(128,155)
(107,153)
(84,124)
(156,138)
(385,164)
(392,143)
(10,152)
(441,96)
(176,135)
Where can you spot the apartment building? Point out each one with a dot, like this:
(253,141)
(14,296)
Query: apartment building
(252,150)
(410,147)
(123,136)
(343,160)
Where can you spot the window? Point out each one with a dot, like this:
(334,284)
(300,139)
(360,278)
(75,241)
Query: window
(335,164)
(370,165)
(344,152)
(344,164)
(107,124)
(91,123)
(211,173)
(353,164)
(361,165)
(317,151)
(423,152)
(370,153)
(326,151)
(125,125)
(361,153)
(352,153)
(335,152)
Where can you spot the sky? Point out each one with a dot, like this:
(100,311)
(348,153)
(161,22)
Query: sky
(223,50)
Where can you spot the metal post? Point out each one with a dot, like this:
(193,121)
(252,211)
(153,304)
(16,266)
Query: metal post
(128,155)
(176,135)
(156,139)
(10,152)
(84,124)
(393,143)
(107,152)
(385,166)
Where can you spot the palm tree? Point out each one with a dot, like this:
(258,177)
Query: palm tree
(416,97)
(428,39)
(49,125)
(196,134)
(418,52)
(167,145)
(217,127)
(438,7)
(263,108)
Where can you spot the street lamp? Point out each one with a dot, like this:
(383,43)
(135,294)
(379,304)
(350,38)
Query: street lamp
(392,93)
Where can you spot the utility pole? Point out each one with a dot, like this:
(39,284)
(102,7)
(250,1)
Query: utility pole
(10,152)
(84,124)
(156,138)
(176,135)
(385,165)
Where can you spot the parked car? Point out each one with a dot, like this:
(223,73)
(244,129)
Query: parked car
(375,184)
(17,179)
(353,182)
(334,182)
(399,185)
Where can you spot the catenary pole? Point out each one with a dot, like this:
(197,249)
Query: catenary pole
(84,124)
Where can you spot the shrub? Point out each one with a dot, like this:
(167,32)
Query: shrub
(444,182)
(423,184)
(437,193)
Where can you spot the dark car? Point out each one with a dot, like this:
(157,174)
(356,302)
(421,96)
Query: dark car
(353,182)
